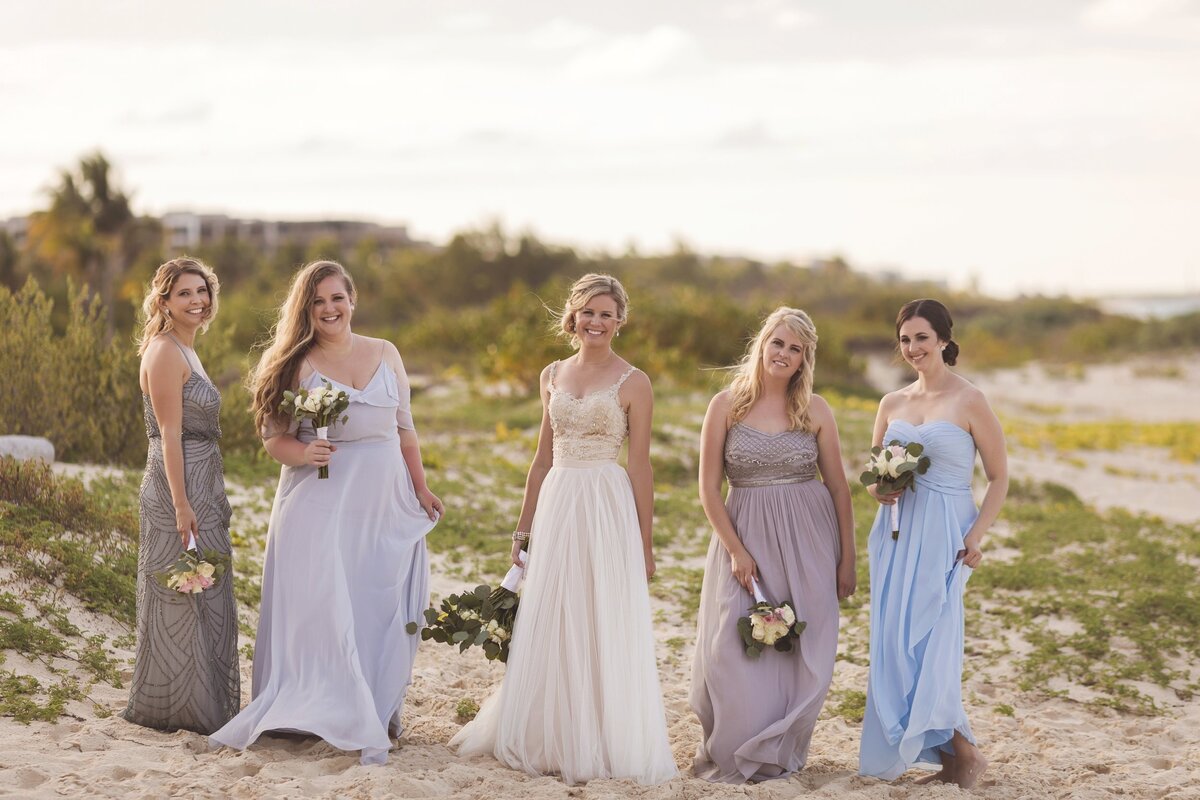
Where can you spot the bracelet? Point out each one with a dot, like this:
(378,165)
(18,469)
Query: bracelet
(520,536)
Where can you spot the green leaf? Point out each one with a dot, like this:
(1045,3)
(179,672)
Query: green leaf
(411,628)
(460,636)
(481,637)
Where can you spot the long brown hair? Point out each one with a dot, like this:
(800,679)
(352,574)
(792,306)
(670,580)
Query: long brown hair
(746,386)
(291,339)
(157,319)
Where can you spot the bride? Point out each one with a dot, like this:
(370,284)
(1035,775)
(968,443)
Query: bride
(581,696)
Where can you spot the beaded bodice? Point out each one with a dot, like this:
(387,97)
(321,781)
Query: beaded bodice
(754,458)
(588,428)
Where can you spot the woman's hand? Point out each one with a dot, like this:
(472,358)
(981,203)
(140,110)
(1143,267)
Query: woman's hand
(744,569)
(648,555)
(430,504)
(517,547)
(971,554)
(185,523)
(847,578)
(884,498)
(317,452)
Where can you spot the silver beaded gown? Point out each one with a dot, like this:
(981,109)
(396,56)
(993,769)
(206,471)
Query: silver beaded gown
(185,674)
(758,714)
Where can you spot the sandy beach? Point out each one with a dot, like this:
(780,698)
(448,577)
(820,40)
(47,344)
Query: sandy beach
(1040,746)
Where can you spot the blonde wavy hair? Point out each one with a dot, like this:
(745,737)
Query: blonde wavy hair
(746,386)
(582,292)
(291,338)
(157,318)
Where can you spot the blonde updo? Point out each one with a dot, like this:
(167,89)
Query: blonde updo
(157,319)
(582,292)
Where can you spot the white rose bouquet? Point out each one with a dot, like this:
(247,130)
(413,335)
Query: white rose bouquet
(322,405)
(767,625)
(194,572)
(894,468)
(483,616)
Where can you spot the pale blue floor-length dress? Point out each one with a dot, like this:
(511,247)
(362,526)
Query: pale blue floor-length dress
(914,692)
(345,571)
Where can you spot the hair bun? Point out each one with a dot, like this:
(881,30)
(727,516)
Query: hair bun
(950,353)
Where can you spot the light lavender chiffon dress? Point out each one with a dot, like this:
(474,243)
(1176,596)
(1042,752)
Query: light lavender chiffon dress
(345,571)
(758,714)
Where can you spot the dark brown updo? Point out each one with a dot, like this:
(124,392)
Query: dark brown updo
(938,317)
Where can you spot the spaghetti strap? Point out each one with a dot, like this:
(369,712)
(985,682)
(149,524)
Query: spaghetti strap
(617,386)
(182,349)
(553,367)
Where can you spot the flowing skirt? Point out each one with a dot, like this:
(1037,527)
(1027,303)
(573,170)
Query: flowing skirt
(345,571)
(581,696)
(914,689)
(758,714)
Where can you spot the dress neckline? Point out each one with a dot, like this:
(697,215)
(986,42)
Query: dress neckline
(918,426)
(764,433)
(371,380)
(608,390)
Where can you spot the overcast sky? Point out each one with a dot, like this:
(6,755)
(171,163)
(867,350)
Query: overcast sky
(1034,145)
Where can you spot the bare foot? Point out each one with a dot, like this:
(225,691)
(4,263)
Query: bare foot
(971,766)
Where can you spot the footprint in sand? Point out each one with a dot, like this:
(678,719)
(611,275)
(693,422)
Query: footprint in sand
(28,778)
(1159,762)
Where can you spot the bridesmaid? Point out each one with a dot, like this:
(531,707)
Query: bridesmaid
(914,713)
(770,435)
(185,673)
(345,568)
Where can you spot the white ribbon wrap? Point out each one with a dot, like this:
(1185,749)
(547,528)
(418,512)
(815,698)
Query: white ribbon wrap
(323,433)
(191,545)
(758,595)
(513,579)
(896,519)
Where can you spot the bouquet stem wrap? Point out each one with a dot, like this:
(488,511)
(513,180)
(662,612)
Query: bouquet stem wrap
(513,579)
(322,433)
(896,520)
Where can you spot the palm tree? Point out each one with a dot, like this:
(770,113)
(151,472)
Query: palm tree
(83,232)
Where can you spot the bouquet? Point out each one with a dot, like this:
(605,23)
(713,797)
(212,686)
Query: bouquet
(193,572)
(894,468)
(483,617)
(767,625)
(322,405)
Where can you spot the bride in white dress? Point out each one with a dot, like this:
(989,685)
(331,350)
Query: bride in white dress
(581,696)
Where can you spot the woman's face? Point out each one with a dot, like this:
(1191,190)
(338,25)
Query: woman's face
(331,309)
(919,345)
(188,303)
(596,322)
(783,354)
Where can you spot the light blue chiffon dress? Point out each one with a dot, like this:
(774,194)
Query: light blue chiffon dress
(914,692)
(345,571)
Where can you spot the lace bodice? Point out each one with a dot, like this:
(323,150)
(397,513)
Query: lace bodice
(588,428)
(754,458)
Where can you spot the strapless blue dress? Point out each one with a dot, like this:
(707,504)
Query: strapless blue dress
(914,692)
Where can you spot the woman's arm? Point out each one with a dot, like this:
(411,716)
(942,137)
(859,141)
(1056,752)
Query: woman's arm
(543,459)
(833,474)
(641,474)
(712,473)
(989,440)
(166,371)
(882,418)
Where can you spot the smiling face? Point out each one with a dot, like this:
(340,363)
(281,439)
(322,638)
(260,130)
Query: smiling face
(782,354)
(330,308)
(919,345)
(596,322)
(188,303)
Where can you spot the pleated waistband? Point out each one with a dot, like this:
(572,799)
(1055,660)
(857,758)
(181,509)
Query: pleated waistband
(575,463)
(773,482)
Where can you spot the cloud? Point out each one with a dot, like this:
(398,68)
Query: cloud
(1129,13)
(636,56)
(561,34)
(191,114)
(783,14)
(752,136)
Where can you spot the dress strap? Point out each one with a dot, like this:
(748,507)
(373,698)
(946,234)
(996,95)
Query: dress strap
(182,349)
(617,386)
(553,369)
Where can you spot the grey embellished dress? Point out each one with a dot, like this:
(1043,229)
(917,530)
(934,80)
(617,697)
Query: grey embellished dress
(186,671)
(758,714)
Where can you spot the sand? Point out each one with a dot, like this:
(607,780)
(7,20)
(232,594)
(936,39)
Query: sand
(1052,748)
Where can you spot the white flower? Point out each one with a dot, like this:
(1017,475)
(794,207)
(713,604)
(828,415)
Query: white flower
(327,400)
(312,403)
(206,569)
(788,615)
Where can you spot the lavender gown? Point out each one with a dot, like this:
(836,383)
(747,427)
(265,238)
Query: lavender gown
(758,714)
(345,571)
